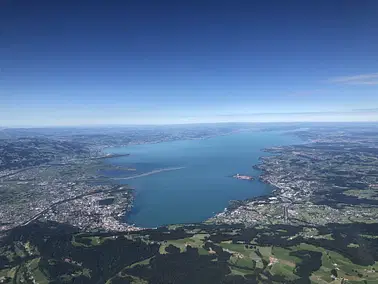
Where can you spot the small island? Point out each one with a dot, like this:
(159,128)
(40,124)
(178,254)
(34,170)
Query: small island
(245,177)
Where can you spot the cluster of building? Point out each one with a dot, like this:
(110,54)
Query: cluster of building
(312,184)
(104,210)
(68,192)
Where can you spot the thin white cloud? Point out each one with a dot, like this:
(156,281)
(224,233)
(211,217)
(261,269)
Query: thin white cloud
(366,110)
(346,112)
(363,79)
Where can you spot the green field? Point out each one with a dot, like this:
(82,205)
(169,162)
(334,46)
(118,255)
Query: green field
(138,256)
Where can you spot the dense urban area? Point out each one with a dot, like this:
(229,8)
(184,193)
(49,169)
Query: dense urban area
(332,178)
(62,220)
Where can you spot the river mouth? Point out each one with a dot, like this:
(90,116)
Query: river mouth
(191,180)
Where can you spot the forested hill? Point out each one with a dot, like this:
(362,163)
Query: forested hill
(55,253)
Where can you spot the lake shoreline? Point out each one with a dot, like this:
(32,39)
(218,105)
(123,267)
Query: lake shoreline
(141,189)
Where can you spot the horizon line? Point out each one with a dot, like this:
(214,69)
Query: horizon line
(2,128)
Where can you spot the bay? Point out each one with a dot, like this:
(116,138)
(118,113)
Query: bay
(190,180)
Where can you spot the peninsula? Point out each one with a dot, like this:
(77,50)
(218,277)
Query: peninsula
(244,177)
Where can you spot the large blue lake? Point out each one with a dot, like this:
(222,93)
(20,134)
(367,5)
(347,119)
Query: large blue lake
(202,185)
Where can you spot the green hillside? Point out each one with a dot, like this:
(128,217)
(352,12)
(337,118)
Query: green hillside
(55,253)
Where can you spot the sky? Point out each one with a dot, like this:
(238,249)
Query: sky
(91,62)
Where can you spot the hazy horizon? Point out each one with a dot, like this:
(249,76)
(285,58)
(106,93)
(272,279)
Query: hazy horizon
(296,118)
(188,122)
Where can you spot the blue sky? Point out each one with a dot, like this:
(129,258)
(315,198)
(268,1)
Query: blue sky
(133,62)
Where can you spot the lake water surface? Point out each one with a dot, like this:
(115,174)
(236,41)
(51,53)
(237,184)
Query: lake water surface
(197,182)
